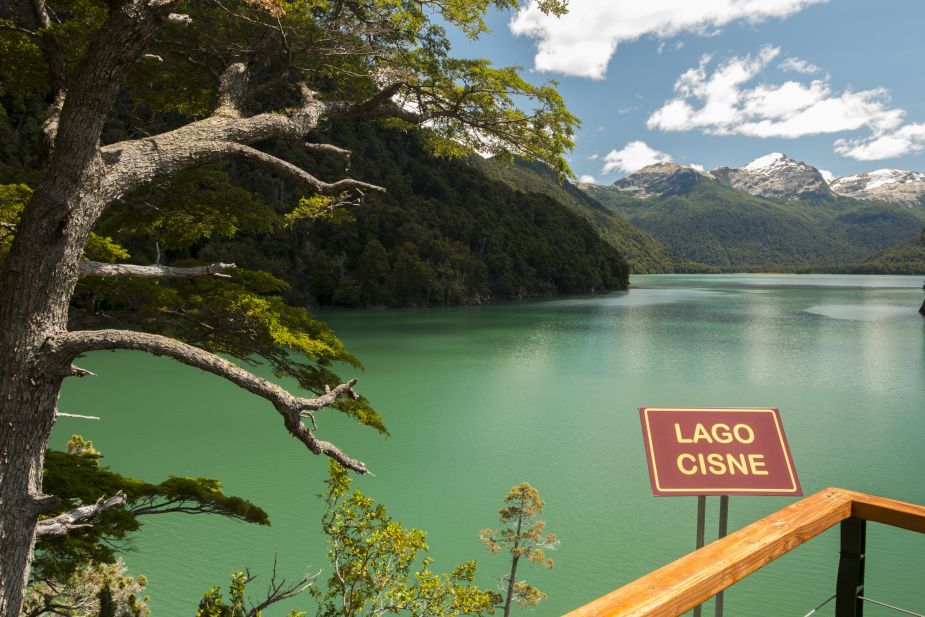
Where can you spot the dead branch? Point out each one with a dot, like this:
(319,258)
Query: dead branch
(63,523)
(290,407)
(100,269)
(297,173)
(61,414)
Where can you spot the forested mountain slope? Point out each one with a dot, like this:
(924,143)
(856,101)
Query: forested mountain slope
(444,233)
(703,220)
(643,252)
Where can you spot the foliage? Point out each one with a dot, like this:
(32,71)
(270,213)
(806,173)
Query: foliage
(642,252)
(904,258)
(13,198)
(443,234)
(92,590)
(77,477)
(376,567)
(523,536)
(214,605)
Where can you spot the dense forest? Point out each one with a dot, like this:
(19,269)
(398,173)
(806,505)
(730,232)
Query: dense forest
(644,253)
(444,233)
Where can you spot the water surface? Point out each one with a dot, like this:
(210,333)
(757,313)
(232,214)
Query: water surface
(479,399)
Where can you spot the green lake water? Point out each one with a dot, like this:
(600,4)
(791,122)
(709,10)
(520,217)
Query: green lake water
(479,399)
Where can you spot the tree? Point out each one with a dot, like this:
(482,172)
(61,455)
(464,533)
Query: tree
(63,545)
(92,590)
(230,78)
(523,536)
(373,559)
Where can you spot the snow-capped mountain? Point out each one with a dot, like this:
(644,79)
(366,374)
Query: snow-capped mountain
(773,175)
(893,185)
(658,179)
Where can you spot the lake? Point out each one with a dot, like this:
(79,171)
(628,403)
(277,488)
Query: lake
(481,398)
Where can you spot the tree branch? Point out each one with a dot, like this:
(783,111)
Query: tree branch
(57,73)
(232,84)
(327,148)
(100,269)
(63,523)
(135,162)
(278,591)
(61,414)
(292,408)
(297,173)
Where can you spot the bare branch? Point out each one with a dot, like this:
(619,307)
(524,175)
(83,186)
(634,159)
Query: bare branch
(61,414)
(76,371)
(289,406)
(57,73)
(179,19)
(135,162)
(100,269)
(63,523)
(327,148)
(232,84)
(373,102)
(277,591)
(54,53)
(297,173)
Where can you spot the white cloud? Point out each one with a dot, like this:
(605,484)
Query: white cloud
(828,175)
(721,100)
(588,179)
(594,157)
(696,167)
(583,41)
(634,156)
(799,66)
(907,139)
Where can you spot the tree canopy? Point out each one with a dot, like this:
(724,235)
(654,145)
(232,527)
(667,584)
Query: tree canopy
(198,83)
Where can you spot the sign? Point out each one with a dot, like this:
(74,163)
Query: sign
(709,451)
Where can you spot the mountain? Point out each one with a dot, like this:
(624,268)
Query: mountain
(894,185)
(703,219)
(658,179)
(773,175)
(643,252)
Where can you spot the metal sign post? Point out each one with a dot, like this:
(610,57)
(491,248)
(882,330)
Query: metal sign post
(723,527)
(717,451)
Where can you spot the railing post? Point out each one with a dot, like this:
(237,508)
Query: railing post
(850,582)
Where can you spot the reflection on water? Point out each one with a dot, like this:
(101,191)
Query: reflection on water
(862,312)
(478,399)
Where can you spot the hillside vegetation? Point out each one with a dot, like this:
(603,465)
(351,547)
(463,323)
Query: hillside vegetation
(443,234)
(728,229)
(643,252)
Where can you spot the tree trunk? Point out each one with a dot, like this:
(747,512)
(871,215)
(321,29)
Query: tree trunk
(510,587)
(510,580)
(38,280)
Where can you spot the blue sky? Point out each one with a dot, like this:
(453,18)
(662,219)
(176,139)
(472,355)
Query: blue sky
(835,83)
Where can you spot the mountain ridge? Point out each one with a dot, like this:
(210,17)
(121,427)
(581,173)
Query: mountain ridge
(795,222)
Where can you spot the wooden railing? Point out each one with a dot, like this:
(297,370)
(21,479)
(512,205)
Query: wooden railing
(698,576)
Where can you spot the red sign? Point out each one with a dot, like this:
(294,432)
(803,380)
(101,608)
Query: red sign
(718,452)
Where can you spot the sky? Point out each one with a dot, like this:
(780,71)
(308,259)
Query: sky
(706,83)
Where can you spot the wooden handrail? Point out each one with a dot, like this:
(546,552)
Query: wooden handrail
(693,579)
